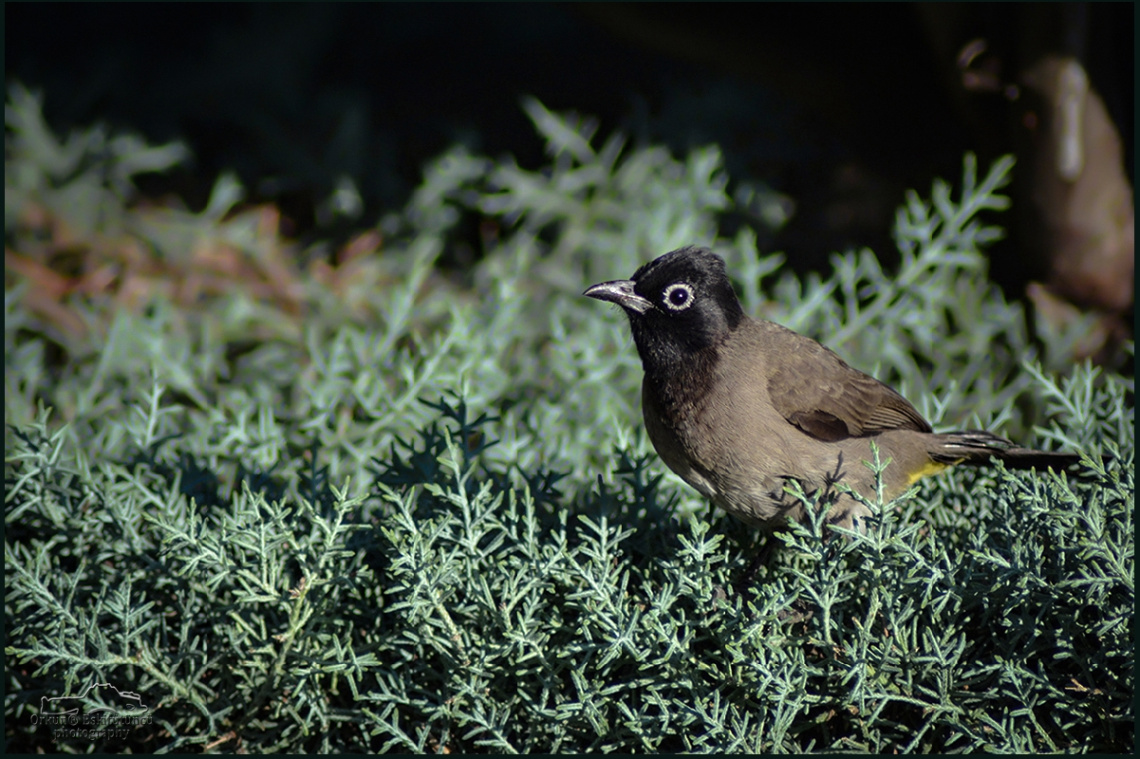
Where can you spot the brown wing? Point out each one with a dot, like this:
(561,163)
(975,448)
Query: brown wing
(818,392)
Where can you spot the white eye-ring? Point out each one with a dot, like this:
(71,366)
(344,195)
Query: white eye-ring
(677,296)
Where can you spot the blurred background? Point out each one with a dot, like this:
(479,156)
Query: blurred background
(826,113)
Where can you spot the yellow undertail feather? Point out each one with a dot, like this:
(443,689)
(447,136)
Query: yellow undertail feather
(931,467)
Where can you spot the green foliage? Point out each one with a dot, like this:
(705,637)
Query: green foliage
(88,177)
(423,517)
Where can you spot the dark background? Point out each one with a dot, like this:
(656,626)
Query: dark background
(840,107)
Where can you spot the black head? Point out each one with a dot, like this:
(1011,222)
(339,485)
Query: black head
(678,304)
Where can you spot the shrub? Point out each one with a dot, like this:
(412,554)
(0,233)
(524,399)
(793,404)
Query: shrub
(370,505)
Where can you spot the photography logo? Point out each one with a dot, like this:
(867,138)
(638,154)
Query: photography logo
(101,711)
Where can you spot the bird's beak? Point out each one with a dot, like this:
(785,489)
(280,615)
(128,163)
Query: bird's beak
(620,291)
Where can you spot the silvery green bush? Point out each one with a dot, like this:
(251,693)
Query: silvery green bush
(423,516)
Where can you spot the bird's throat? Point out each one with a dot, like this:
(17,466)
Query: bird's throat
(678,380)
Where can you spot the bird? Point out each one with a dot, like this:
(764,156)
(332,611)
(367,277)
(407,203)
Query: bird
(743,409)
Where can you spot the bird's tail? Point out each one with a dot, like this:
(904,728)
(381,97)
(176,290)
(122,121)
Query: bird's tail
(979,447)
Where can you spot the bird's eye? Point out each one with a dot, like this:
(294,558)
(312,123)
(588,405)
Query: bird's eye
(678,296)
